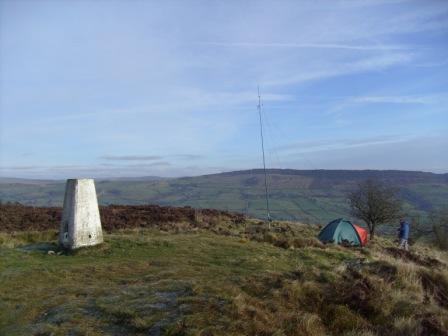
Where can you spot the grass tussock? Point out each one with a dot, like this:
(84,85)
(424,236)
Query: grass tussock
(20,238)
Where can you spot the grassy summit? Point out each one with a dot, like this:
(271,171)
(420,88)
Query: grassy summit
(225,278)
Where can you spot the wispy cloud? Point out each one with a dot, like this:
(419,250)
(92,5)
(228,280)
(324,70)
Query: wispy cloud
(188,156)
(132,158)
(162,168)
(412,153)
(19,167)
(349,102)
(149,165)
(332,144)
(150,157)
(396,99)
(368,64)
(306,45)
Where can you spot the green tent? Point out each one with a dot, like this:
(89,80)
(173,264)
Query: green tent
(342,231)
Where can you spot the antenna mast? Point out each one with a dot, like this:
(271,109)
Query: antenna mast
(268,214)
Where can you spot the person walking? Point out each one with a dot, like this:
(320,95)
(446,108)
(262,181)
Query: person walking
(403,234)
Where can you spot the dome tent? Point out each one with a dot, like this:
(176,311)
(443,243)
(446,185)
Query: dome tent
(342,231)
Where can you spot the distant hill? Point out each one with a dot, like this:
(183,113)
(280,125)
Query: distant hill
(138,178)
(314,196)
(12,180)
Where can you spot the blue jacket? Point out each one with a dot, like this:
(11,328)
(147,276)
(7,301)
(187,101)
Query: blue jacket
(404,231)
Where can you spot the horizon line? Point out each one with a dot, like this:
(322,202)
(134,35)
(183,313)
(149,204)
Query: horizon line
(224,172)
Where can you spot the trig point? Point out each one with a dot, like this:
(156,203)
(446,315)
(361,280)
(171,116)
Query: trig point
(81,224)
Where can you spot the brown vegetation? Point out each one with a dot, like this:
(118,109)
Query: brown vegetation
(17,217)
(368,301)
(409,256)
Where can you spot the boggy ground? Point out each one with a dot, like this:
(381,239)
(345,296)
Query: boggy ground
(227,278)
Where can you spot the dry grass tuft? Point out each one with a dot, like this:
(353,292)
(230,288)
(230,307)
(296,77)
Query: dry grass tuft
(407,326)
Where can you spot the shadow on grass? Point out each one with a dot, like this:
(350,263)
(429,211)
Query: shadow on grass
(43,247)
(52,248)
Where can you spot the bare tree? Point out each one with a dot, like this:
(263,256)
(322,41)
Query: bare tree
(375,203)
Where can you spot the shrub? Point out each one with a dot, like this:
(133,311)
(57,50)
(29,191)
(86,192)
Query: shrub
(439,221)
(441,236)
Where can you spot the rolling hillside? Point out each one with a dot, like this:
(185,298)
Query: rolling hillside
(313,196)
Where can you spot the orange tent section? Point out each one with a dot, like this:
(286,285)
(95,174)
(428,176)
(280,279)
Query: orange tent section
(363,234)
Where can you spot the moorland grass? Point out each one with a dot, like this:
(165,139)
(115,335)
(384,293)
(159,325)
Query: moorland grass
(246,281)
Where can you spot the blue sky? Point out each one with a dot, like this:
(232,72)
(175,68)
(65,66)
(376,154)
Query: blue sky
(169,88)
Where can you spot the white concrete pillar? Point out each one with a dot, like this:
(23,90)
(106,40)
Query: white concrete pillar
(81,224)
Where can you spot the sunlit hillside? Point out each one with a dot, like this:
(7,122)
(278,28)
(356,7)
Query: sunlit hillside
(308,196)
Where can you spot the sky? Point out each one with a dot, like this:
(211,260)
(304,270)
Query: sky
(169,88)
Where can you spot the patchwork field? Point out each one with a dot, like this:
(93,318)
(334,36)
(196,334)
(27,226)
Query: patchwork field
(315,196)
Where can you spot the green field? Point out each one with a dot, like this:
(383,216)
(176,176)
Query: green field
(306,196)
(250,281)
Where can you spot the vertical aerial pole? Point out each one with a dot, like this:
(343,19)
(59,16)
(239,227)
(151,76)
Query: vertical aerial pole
(268,214)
